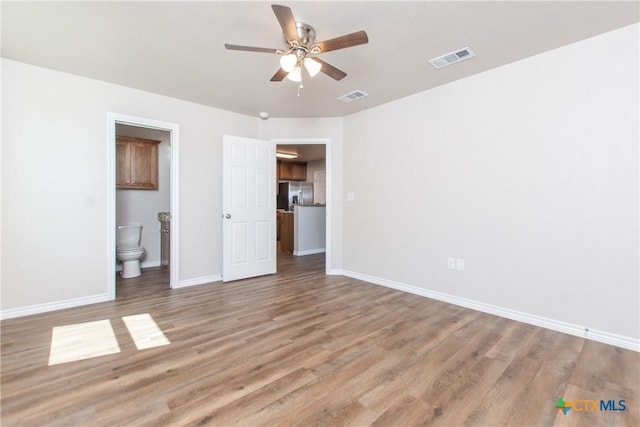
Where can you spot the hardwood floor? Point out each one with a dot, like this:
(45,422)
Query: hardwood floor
(302,348)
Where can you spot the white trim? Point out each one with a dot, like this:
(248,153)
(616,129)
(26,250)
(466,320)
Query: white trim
(111,205)
(173,129)
(199,281)
(327,144)
(174,194)
(628,343)
(309,252)
(52,306)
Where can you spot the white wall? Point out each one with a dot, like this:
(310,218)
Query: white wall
(330,127)
(529,172)
(315,166)
(54,186)
(142,206)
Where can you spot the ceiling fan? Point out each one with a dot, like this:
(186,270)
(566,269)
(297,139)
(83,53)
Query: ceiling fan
(302,50)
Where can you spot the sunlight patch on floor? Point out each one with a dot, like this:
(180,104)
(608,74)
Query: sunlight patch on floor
(145,331)
(82,341)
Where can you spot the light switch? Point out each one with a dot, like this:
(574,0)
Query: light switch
(351,196)
(451,263)
(460,264)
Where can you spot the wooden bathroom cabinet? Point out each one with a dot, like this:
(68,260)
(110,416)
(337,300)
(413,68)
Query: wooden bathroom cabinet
(137,163)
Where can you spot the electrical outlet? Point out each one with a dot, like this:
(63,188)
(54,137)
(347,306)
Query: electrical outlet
(451,263)
(460,264)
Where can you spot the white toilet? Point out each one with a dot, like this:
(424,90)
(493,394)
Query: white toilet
(128,249)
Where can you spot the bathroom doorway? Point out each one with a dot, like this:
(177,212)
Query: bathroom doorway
(135,204)
(147,206)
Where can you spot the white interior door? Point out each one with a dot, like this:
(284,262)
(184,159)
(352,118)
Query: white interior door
(248,208)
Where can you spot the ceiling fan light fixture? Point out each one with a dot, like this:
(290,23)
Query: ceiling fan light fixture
(288,62)
(295,75)
(312,66)
(300,41)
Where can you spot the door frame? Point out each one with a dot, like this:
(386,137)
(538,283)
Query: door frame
(112,120)
(327,151)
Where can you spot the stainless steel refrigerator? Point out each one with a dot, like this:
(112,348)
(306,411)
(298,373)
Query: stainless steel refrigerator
(291,193)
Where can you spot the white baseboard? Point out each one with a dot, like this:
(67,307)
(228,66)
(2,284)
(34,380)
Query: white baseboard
(198,281)
(76,302)
(309,252)
(335,272)
(52,306)
(628,343)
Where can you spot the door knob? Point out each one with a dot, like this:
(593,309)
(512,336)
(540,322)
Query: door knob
(227,216)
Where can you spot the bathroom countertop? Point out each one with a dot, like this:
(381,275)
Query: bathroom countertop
(164,216)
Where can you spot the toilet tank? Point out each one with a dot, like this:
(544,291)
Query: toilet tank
(128,236)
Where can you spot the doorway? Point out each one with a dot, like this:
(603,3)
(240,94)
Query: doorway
(123,207)
(136,204)
(315,172)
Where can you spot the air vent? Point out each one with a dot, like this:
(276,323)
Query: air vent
(352,96)
(452,58)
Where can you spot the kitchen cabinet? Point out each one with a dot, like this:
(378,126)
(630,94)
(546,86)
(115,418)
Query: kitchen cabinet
(285,231)
(292,171)
(137,163)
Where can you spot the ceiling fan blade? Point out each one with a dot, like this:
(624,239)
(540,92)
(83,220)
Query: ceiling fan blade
(279,75)
(353,39)
(286,20)
(252,49)
(330,70)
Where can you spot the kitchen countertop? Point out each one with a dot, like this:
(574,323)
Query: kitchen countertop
(301,206)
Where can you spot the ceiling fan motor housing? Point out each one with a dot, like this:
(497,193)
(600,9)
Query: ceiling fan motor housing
(306,36)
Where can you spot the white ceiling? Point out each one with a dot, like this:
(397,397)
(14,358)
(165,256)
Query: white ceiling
(177,48)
